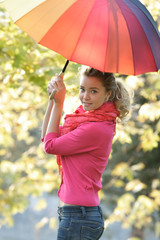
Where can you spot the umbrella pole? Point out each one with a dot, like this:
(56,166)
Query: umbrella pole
(61,74)
(65,66)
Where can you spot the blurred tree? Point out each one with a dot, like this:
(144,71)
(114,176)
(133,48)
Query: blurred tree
(133,174)
(25,69)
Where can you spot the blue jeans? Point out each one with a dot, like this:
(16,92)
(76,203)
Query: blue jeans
(80,223)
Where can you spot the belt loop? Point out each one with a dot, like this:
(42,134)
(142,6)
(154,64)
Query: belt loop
(100,210)
(83,211)
(59,213)
(59,210)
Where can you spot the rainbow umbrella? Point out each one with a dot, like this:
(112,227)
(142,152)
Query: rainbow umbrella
(118,36)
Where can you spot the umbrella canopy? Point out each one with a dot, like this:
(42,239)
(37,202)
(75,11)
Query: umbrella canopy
(118,36)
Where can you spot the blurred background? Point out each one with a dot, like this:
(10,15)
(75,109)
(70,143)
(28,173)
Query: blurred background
(29,178)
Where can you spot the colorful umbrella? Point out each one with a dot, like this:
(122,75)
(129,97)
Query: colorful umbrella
(118,36)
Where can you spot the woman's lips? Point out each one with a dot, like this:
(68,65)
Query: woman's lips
(87,104)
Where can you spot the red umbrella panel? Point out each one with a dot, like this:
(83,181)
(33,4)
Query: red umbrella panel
(118,36)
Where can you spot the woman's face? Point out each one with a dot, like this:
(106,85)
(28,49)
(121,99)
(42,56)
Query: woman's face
(92,93)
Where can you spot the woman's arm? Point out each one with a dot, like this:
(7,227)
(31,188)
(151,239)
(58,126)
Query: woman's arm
(54,121)
(88,137)
(55,106)
(46,118)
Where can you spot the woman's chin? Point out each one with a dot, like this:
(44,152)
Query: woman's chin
(87,107)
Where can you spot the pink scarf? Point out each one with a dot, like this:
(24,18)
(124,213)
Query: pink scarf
(106,112)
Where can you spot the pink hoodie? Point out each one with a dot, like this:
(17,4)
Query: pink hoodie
(84,155)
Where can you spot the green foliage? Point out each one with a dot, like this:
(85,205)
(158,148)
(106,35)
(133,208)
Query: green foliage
(25,69)
(134,166)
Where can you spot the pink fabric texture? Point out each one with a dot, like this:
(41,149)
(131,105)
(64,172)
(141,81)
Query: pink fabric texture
(106,112)
(84,148)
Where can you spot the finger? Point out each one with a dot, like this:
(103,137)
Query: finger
(56,78)
(55,86)
(61,85)
(50,88)
(56,83)
(59,82)
(49,91)
(52,82)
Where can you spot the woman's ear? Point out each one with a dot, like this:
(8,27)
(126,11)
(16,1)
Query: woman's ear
(108,95)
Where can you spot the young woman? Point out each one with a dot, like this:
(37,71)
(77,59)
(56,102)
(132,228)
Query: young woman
(83,145)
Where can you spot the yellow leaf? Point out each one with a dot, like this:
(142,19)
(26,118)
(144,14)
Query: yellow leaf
(42,223)
(35,174)
(138,167)
(122,170)
(42,204)
(118,183)
(53,223)
(7,166)
(134,238)
(119,169)
(149,111)
(147,203)
(125,201)
(135,82)
(135,186)
(149,139)
(157,229)
(156,195)
(101,194)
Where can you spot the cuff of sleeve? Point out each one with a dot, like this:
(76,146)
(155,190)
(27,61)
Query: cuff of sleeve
(50,136)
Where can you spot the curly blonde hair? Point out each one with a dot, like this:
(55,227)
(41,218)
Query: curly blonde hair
(119,94)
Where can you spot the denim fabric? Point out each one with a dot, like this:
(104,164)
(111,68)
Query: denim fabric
(80,223)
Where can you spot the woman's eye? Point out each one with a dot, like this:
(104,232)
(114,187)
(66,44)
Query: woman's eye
(93,91)
(82,89)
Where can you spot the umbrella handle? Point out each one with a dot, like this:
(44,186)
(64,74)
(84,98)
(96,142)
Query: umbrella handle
(61,74)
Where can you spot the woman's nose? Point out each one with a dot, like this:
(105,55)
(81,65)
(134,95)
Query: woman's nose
(86,95)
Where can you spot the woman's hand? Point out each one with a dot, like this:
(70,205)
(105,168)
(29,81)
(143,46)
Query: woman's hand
(57,84)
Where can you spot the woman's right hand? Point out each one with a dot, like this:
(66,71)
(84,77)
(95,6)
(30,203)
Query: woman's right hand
(57,84)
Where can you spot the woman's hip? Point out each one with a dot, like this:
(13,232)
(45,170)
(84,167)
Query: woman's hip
(80,223)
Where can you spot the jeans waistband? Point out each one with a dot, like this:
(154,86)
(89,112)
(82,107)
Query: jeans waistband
(67,210)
